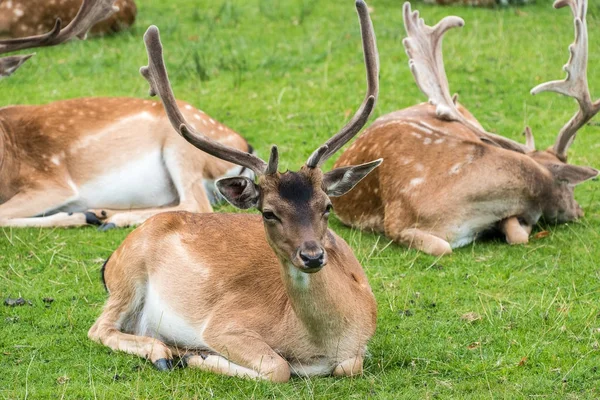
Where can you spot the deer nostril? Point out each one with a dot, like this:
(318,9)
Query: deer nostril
(312,259)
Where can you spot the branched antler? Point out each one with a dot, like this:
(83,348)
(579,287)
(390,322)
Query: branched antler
(575,84)
(156,75)
(320,155)
(90,13)
(424,49)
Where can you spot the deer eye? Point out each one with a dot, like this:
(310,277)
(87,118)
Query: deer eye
(270,216)
(328,210)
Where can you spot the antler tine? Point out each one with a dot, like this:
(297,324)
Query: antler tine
(424,49)
(90,12)
(575,84)
(156,75)
(320,155)
(10,64)
(529,139)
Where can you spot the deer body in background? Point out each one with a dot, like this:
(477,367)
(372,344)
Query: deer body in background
(110,161)
(216,291)
(90,13)
(445,180)
(20,18)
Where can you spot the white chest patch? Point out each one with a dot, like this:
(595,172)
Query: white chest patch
(140,183)
(159,320)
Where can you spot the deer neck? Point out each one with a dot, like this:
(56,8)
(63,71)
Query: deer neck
(317,299)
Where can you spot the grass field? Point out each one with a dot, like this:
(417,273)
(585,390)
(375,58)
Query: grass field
(290,72)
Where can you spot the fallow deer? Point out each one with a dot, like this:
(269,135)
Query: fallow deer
(207,287)
(55,169)
(20,18)
(90,13)
(446,180)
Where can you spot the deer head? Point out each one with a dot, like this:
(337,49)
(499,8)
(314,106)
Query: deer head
(423,46)
(89,14)
(295,205)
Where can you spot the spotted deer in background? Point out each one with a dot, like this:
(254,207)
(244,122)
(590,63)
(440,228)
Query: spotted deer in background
(104,161)
(239,294)
(445,179)
(89,14)
(20,18)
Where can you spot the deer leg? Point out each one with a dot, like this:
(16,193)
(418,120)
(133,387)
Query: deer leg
(398,218)
(515,232)
(415,238)
(20,211)
(350,367)
(241,353)
(106,330)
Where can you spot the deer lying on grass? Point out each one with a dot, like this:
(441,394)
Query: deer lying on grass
(302,307)
(55,169)
(432,193)
(20,18)
(91,12)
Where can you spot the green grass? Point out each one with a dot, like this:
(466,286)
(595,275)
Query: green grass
(290,72)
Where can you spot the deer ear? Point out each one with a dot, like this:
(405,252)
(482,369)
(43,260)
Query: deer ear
(572,174)
(341,180)
(239,191)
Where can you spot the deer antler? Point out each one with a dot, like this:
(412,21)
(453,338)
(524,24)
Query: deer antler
(575,84)
(424,48)
(90,12)
(320,155)
(156,75)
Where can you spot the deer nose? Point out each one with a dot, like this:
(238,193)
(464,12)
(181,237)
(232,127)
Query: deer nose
(312,258)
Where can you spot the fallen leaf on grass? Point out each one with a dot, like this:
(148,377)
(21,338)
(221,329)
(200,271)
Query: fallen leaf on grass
(470,317)
(16,302)
(541,235)
(523,361)
(474,345)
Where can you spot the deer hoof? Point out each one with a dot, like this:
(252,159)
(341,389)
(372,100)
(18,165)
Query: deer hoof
(92,219)
(162,364)
(106,227)
(183,361)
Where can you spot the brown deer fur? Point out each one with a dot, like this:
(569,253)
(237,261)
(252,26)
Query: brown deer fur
(445,180)
(115,157)
(20,18)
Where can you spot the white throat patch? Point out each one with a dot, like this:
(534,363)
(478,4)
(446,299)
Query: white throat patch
(299,279)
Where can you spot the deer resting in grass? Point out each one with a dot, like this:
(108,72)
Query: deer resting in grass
(90,13)
(20,18)
(265,296)
(445,179)
(57,167)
